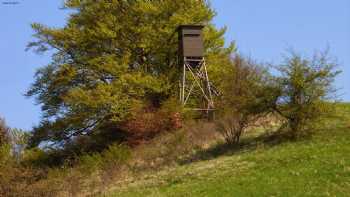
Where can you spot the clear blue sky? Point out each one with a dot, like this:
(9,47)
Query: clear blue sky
(261,29)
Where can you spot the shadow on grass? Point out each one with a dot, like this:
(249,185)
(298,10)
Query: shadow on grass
(246,145)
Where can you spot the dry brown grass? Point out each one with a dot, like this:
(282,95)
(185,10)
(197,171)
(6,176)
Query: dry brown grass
(95,174)
(169,148)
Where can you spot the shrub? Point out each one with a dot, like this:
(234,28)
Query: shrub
(103,168)
(306,91)
(5,155)
(149,121)
(116,155)
(15,179)
(36,157)
(4,131)
(247,95)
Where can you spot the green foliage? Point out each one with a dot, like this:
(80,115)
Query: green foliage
(110,57)
(32,176)
(306,91)
(5,155)
(314,167)
(247,95)
(117,154)
(302,93)
(7,169)
(36,157)
(14,178)
(113,157)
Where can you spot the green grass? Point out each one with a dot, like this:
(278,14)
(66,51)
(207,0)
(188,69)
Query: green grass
(319,166)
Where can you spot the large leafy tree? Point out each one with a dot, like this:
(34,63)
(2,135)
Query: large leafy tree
(111,56)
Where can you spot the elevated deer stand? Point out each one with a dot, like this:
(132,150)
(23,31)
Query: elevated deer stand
(194,81)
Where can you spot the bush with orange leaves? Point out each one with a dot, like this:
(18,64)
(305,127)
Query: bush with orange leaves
(147,122)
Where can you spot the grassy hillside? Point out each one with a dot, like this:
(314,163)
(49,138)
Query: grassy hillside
(319,166)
